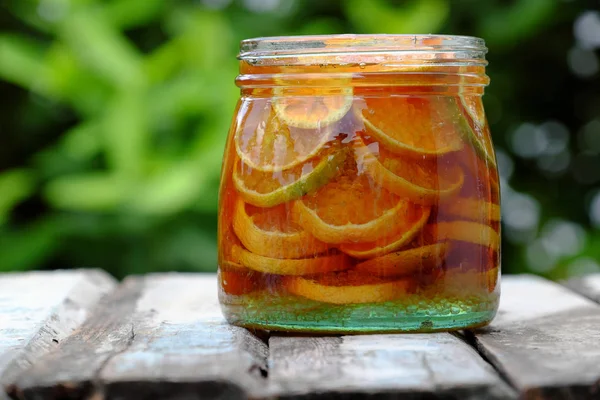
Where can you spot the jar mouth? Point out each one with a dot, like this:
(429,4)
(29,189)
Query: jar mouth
(336,48)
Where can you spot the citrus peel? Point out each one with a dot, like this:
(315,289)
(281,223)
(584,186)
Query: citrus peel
(472,209)
(405,262)
(266,189)
(466,231)
(267,143)
(409,224)
(329,229)
(303,266)
(347,287)
(415,126)
(312,108)
(420,181)
(268,232)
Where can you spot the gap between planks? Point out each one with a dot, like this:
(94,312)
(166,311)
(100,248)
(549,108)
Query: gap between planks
(156,336)
(124,362)
(545,340)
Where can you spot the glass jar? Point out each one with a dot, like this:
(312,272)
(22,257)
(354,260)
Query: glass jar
(359,188)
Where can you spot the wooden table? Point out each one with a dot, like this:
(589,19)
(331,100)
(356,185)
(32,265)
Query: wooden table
(80,335)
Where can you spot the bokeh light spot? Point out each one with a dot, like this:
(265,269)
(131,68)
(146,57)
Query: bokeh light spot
(587,29)
(528,141)
(563,238)
(522,211)
(589,136)
(555,164)
(557,136)
(583,266)
(594,210)
(53,10)
(582,62)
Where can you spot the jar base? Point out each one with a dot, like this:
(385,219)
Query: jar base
(390,317)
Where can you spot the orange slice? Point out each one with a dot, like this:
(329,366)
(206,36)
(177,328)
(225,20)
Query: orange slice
(312,108)
(350,209)
(347,287)
(303,266)
(266,142)
(268,189)
(409,223)
(405,262)
(424,181)
(415,126)
(465,231)
(271,233)
(471,209)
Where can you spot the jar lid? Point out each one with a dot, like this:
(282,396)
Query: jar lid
(335,49)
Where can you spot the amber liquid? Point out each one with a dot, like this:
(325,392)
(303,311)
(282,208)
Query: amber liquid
(383,218)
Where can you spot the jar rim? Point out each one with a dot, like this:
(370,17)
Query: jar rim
(332,45)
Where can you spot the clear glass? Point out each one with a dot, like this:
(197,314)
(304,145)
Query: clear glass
(359,188)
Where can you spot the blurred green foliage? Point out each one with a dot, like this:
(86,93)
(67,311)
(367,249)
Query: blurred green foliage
(114,116)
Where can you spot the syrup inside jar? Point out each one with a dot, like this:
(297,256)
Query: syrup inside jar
(359,188)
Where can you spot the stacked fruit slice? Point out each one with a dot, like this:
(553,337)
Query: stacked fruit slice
(284,154)
(347,200)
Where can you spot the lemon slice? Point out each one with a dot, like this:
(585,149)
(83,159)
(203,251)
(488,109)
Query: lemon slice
(266,142)
(268,189)
(312,107)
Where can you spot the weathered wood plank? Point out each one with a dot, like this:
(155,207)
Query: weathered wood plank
(588,285)
(38,310)
(158,336)
(419,366)
(545,340)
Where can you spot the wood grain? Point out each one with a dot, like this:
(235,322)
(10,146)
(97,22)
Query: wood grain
(157,337)
(545,340)
(588,285)
(405,366)
(38,310)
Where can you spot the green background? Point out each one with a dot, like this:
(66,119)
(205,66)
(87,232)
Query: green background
(114,114)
